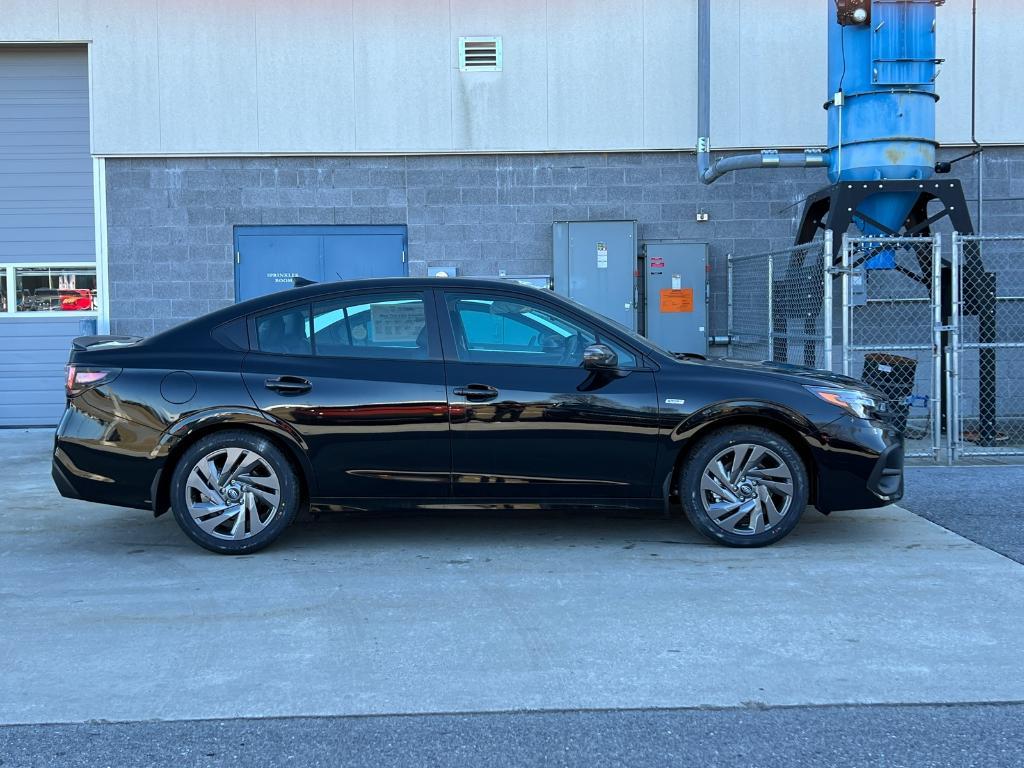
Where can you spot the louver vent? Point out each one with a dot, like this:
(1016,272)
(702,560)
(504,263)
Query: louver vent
(480,54)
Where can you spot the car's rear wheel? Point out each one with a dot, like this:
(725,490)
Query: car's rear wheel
(744,486)
(234,492)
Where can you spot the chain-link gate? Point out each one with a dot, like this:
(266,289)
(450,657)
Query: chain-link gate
(986,368)
(892,326)
(780,305)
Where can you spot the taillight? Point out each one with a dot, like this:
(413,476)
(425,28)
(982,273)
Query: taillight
(80,379)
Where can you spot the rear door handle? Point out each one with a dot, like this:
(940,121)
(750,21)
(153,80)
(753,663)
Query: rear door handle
(288,385)
(477,392)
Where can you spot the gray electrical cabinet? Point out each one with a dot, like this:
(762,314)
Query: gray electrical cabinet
(595,264)
(675,295)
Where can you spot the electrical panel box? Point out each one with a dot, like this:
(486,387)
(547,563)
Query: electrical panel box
(595,264)
(675,292)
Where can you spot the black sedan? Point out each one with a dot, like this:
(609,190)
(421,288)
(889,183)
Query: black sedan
(458,394)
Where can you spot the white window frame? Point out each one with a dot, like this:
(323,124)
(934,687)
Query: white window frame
(12,293)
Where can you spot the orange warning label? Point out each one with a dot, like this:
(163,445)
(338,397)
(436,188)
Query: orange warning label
(678,300)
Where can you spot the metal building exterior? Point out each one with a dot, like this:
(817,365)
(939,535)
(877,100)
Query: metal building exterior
(46,225)
(211,125)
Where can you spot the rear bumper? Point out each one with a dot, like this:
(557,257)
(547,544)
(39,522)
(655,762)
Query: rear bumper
(860,465)
(105,459)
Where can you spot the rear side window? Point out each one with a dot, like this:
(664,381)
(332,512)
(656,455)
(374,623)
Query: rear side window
(233,334)
(285,332)
(385,325)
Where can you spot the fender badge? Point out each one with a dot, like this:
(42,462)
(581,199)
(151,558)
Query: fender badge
(674,401)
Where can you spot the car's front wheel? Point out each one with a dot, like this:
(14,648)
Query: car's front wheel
(234,492)
(744,487)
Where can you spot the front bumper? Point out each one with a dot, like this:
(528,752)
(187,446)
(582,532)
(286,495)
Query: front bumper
(104,458)
(860,465)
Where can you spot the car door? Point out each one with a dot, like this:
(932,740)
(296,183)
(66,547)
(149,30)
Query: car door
(527,419)
(361,378)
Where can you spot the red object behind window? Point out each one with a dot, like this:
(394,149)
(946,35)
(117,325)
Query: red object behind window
(76,300)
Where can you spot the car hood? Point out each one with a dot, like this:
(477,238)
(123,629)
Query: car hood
(798,374)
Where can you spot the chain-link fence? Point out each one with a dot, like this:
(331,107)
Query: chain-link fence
(892,327)
(986,413)
(905,318)
(780,305)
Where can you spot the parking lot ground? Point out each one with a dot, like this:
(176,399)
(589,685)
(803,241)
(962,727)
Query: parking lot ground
(112,615)
(982,503)
(874,736)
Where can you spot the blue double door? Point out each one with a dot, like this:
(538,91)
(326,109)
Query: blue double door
(268,259)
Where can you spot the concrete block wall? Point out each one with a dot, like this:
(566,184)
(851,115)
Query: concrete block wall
(171,220)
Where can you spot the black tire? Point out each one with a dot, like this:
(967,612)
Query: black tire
(778,452)
(277,467)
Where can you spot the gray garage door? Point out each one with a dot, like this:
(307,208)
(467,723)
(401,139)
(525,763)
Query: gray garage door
(47,252)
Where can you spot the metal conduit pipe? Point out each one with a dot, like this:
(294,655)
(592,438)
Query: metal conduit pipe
(766,158)
(703,88)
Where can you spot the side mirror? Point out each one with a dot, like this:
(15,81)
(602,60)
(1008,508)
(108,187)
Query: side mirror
(599,356)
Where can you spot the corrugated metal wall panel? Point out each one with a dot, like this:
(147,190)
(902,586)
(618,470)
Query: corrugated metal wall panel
(46,214)
(45,168)
(32,358)
(194,77)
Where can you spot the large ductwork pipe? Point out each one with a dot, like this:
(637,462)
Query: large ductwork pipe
(766,158)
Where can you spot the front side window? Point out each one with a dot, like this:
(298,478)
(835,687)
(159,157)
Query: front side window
(54,289)
(512,331)
(385,325)
(285,332)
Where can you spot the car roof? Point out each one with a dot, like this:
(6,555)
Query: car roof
(314,290)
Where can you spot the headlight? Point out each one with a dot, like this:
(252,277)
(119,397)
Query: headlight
(860,404)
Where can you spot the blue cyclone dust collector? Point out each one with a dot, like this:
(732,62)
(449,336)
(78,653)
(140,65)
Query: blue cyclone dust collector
(881,125)
(881,157)
(881,117)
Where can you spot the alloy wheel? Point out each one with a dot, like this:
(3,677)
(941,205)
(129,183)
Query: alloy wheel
(746,489)
(233,493)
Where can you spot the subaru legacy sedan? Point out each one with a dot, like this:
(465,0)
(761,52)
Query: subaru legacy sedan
(450,393)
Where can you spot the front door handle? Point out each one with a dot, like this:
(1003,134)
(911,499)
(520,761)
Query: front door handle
(288,385)
(477,392)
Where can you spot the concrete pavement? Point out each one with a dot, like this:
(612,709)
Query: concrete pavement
(111,615)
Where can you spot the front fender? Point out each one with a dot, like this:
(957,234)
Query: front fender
(771,415)
(756,411)
(196,424)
